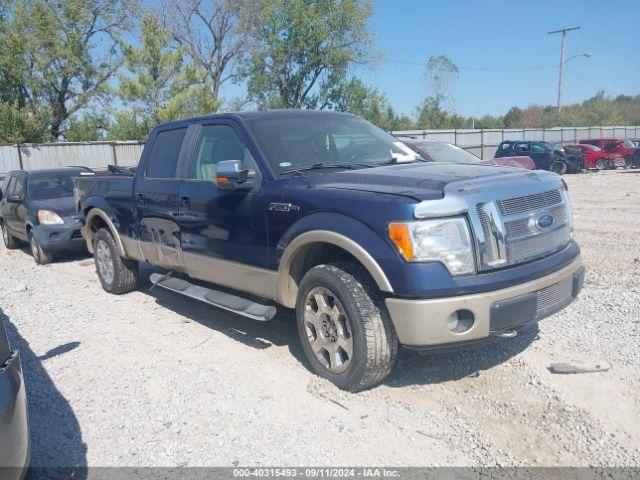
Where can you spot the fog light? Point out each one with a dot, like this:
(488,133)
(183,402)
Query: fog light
(460,321)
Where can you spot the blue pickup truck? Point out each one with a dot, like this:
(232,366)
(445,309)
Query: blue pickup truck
(326,214)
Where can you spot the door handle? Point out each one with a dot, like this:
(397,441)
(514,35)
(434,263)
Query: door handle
(140,199)
(185,203)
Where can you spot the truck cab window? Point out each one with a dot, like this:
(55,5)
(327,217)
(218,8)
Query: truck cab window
(163,158)
(215,144)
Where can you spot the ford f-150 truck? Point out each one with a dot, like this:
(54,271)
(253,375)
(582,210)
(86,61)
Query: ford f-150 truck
(326,214)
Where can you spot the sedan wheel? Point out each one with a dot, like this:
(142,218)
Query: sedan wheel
(328,330)
(40,255)
(601,164)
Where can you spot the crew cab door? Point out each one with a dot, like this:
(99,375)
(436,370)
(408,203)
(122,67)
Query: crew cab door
(157,193)
(223,232)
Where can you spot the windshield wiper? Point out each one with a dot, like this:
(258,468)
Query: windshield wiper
(321,166)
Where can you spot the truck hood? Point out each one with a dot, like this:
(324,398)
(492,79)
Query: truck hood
(420,181)
(64,206)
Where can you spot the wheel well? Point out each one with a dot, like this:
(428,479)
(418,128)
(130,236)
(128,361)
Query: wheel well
(310,256)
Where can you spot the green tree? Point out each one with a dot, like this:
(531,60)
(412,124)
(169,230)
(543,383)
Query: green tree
(359,99)
(299,52)
(432,115)
(91,127)
(50,48)
(159,85)
(18,125)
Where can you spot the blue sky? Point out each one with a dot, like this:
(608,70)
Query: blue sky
(503,52)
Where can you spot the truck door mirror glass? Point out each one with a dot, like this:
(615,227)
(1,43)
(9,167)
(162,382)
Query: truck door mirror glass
(231,175)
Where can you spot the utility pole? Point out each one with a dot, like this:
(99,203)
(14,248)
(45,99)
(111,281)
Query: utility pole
(562,62)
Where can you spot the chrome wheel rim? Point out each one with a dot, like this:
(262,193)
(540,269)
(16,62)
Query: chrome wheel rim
(5,235)
(35,248)
(328,330)
(104,261)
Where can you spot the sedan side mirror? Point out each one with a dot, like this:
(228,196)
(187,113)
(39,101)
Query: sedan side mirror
(231,175)
(14,199)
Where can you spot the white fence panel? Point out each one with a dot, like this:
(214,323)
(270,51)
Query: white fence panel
(128,154)
(9,159)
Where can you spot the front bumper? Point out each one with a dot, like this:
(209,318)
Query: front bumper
(14,430)
(67,236)
(423,323)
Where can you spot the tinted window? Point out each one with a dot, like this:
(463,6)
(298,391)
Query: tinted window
(215,144)
(11,186)
(55,186)
(505,146)
(535,148)
(163,158)
(595,143)
(521,147)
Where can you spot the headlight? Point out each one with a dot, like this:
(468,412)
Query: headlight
(567,205)
(440,240)
(45,217)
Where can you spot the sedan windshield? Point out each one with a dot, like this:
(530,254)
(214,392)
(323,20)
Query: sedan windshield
(53,186)
(446,152)
(298,142)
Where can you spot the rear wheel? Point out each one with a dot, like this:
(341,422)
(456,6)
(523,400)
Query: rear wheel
(344,327)
(558,167)
(9,240)
(117,275)
(601,164)
(39,254)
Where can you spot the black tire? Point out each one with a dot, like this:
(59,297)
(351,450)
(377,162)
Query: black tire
(10,241)
(374,341)
(601,164)
(39,254)
(558,167)
(122,277)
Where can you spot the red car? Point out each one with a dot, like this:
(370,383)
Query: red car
(621,146)
(436,151)
(596,158)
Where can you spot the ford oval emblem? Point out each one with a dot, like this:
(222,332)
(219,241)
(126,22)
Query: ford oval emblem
(545,221)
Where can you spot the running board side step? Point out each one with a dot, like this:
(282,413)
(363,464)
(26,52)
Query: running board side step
(226,301)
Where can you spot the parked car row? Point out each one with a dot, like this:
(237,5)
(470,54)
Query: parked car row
(588,154)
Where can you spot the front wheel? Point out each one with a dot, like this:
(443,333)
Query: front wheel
(344,328)
(558,167)
(9,240)
(117,275)
(39,254)
(601,164)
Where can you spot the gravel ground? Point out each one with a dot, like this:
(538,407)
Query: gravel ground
(153,379)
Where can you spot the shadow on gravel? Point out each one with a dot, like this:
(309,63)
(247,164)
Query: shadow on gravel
(280,331)
(56,438)
(413,368)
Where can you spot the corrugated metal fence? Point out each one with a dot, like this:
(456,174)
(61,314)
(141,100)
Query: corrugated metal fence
(53,155)
(484,143)
(100,154)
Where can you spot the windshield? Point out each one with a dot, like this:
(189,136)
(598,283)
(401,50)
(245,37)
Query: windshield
(446,152)
(299,142)
(594,148)
(628,143)
(54,186)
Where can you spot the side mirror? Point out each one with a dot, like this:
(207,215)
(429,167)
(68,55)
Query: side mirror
(231,176)
(14,199)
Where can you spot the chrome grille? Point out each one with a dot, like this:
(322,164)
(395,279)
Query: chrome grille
(528,203)
(555,294)
(537,245)
(520,227)
(513,236)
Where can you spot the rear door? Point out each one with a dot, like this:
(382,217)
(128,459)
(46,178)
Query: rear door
(223,232)
(156,200)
